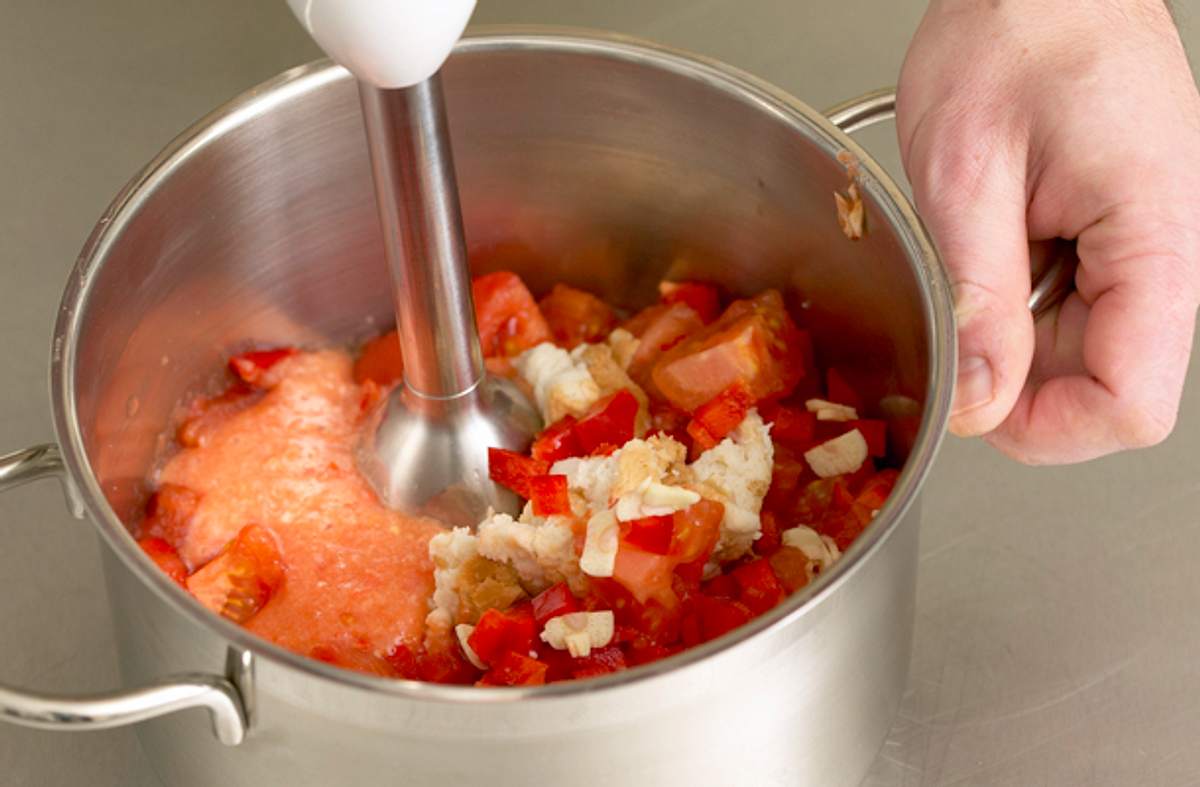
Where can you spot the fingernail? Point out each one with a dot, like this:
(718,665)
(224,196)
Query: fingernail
(975,381)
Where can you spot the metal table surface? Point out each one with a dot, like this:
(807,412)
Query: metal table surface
(1057,629)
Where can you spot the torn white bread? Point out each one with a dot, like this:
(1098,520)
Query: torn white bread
(831,411)
(463,632)
(600,544)
(737,473)
(610,377)
(541,550)
(844,454)
(561,386)
(450,551)
(579,633)
(594,482)
(589,481)
(624,346)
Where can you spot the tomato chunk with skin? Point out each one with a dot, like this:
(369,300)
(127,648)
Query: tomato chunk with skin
(166,558)
(758,587)
(507,316)
(575,316)
(611,421)
(719,616)
(704,299)
(601,661)
(515,669)
(658,328)
(444,666)
(515,471)
(503,631)
(754,343)
(380,361)
(552,602)
(790,425)
(243,577)
(252,367)
(717,418)
(549,495)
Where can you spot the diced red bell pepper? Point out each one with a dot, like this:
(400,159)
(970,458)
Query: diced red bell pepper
(791,568)
(243,577)
(557,441)
(704,299)
(169,512)
(507,316)
(611,421)
(769,535)
(653,533)
(252,367)
(380,361)
(575,316)
(515,471)
(791,426)
(715,419)
(719,616)
(874,431)
(758,587)
(444,666)
(601,661)
(549,495)
(837,389)
(502,631)
(875,491)
(721,586)
(514,669)
(552,602)
(166,558)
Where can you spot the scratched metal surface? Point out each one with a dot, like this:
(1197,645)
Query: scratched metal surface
(1056,632)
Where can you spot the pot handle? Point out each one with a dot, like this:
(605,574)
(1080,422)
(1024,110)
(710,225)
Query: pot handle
(1051,285)
(118,708)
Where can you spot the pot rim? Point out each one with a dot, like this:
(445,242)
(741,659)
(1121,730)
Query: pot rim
(801,118)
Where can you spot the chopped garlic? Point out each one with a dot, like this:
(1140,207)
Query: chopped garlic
(851,215)
(579,632)
(840,455)
(463,632)
(624,346)
(654,499)
(589,481)
(831,411)
(561,386)
(600,545)
(820,550)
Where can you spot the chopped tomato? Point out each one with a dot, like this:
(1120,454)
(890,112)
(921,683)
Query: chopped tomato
(874,431)
(514,669)
(875,491)
(704,299)
(789,425)
(549,495)
(768,537)
(669,421)
(758,587)
(353,655)
(721,586)
(252,367)
(243,577)
(644,574)
(502,631)
(600,661)
(717,616)
(753,343)
(380,361)
(610,422)
(443,666)
(696,530)
(166,558)
(791,568)
(205,414)
(653,533)
(515,471)
(575,316)
(718,417)
(557,441)
(169,512)
(552,602)
(837,389)
(508,318)
(659,328)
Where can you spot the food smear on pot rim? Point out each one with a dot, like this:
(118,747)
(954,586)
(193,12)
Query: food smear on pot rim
(697,466)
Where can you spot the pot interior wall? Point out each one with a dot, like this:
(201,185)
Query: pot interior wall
(589,168)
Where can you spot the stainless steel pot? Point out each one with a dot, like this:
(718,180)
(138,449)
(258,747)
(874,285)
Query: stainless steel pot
(589,159)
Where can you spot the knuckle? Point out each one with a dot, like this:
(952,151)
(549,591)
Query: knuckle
(1140,423)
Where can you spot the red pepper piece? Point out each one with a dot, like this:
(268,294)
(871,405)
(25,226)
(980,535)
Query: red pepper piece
(442,667)
(874,431)
(768,538)
(653,533)
(251,367)
(380,361)
(557,441)
(791,426)
(549,495)
(499,632)
(718,616)
(704,299)
(721,586)
(837,389)
(515,471)
(515,669)
(875,491)
(719,416)
(552,602)
(601,661)
(609,422)
(243,577)
(166,558)
(758,587)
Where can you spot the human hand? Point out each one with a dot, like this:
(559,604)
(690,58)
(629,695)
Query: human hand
(1027,120)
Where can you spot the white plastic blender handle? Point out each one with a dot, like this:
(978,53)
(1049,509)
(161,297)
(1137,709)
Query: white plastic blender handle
(386,43)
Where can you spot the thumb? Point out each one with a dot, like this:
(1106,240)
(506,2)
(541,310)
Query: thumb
(973,202)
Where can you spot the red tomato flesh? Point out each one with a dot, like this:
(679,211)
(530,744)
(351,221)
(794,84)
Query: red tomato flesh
(758,587)
(380,361)
(252,367)
(704,299)
(243,577)
(166,558)
(575,316)
(507,316)
(515,669)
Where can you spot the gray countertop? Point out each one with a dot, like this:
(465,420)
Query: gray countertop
(1056,633)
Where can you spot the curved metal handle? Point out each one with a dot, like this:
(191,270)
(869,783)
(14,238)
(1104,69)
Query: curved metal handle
(1051,286)
(114,709)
